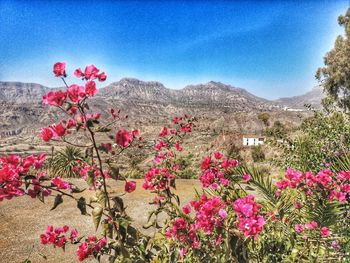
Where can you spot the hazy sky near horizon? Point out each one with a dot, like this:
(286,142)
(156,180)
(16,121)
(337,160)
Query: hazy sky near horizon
(270,48)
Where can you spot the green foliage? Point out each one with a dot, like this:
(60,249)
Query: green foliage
(264,117)
(317,143)
(62,162)
(234,152)
(186,170)
(335,75)
(258,154)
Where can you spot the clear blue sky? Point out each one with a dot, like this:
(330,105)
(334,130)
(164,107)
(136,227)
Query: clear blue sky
(270,48)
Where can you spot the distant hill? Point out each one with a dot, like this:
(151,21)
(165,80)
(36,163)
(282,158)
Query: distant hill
(313,97)
(219,106)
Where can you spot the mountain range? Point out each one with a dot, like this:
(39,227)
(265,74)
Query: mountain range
(21,110)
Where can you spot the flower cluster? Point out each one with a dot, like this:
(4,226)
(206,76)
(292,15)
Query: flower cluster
(72,96)
(336,186)
(184,232)
(162,175)
(57,236)
(313,225)
(210,213)
(214,170)
(249,222)
(12,169)
(91,246)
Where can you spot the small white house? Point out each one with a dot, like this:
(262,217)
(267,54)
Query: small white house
(253,140)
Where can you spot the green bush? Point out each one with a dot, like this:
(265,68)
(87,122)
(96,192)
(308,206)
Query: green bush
(258,154)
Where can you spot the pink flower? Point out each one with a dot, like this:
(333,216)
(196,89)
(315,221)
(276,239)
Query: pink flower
(325,232)
(186,209)
(297,205)
(78,73)
(59,69)
(130,186)
(73,235)
(218,155)
(46,134)
(102,76)
(83,251)
(299,228)
(59,130)
(164,132)
(124,138)
(222,213)
(178,147)
(60,184)
(76,93)
(311,225)
(91,72)
(246,177)
(246,206)
(206,162)
(55,98)
(90,88)
(251,226)
(54,236)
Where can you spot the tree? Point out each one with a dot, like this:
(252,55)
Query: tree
(335,75)
(264,117)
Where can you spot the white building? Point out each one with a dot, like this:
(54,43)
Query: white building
(253,140)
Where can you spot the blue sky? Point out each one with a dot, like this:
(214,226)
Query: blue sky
(270,48)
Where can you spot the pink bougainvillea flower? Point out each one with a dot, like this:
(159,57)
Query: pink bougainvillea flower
(102,76)
(206,162)
(186,209)
(218,155)
(164,132)
(130,186)
(60,184)
(251,226)
(325,232)
(91,72)
(123,138)
(222,213)
(46,134)
(90,88)
(297,205)
(311,225)
(59,130)
(78,73)
(178,147)
(246,206)
(299,228)
(59,69)
(54,98)
(76,93)
(246,177)
(73,235)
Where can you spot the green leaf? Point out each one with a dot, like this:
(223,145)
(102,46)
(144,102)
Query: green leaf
(82,205)
(118,203)
(76,190)
(114,172)
(96,216)
(57,202)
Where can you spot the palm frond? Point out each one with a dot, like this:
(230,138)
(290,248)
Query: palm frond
(62,162)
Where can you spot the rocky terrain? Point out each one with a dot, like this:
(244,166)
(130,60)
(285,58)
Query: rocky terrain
(220,108)
(313,98)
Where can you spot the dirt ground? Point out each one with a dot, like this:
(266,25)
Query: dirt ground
(23,219)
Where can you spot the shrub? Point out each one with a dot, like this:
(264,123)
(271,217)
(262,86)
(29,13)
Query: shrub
(258,154)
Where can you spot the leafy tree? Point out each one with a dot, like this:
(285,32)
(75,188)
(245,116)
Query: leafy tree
(264,117)
(258,154)
(335,75)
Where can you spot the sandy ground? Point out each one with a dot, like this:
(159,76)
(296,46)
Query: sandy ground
(23,219)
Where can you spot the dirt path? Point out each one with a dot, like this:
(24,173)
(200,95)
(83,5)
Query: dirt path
(23,220)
